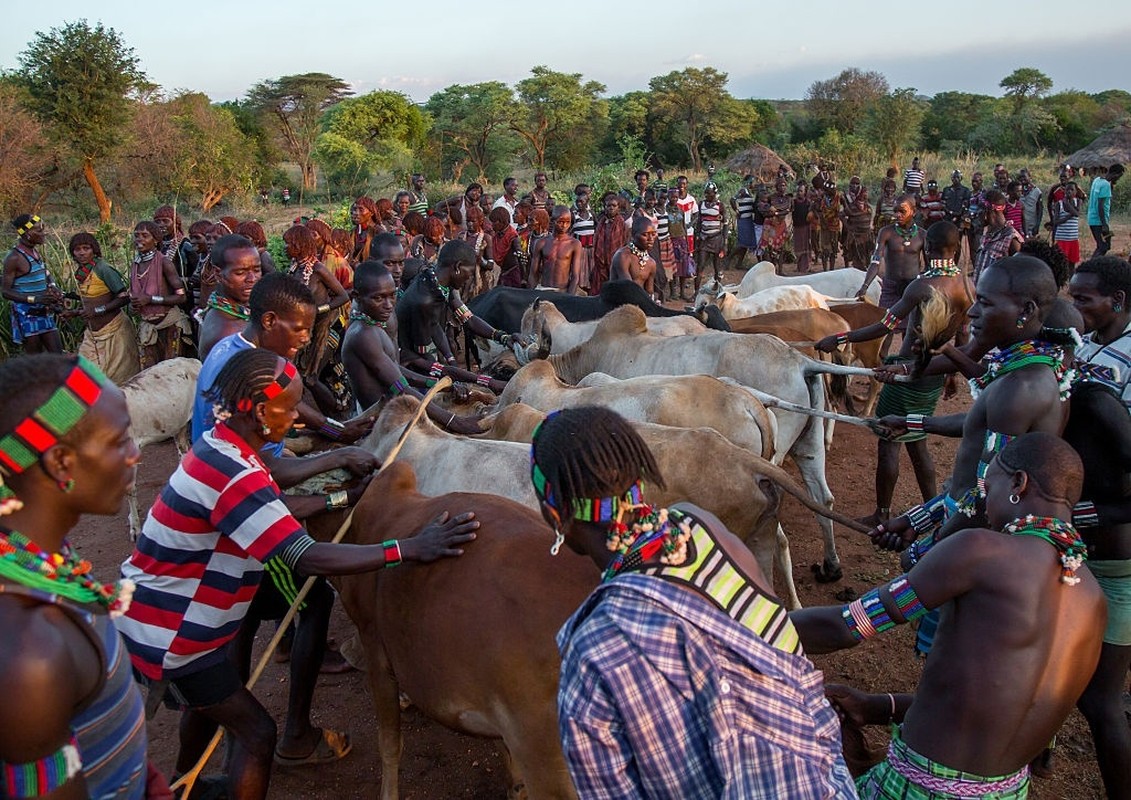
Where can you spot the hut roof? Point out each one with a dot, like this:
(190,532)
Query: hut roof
(1113,146)
(759,161)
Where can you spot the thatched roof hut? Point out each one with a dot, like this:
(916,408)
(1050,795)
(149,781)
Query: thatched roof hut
(1113,146)
(759,161)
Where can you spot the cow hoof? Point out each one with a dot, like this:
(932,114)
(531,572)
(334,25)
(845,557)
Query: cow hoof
(823,573)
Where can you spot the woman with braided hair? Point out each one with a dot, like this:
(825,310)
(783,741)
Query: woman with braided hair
(366,221)
(200,558)
(72,723)
(681,674)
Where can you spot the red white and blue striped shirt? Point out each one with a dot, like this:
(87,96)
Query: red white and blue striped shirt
(200,556)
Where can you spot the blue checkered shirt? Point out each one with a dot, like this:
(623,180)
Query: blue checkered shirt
(664,696)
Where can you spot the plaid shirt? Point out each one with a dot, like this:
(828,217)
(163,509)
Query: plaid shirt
(664,696)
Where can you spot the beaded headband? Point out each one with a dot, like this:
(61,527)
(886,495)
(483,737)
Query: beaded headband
(588,509)
(27,226)
(43,428)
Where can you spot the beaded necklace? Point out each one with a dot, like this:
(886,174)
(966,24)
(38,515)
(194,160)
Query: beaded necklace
(907,235)
(62,573)
(641,255)
(82,271)
(144,258)
(650,534)
(1061,535)
(307,265)
(941,268)
(228,306)
(1023,354)
(357,316)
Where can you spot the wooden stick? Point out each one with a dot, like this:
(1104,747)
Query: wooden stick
(774,402)
(188,780)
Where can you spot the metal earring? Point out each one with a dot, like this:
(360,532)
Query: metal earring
(1014,499)
(1020,322)
(559,538)
(1117,307)
(266,431)
(67,486)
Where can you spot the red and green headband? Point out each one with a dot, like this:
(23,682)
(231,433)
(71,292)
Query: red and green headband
(45,426)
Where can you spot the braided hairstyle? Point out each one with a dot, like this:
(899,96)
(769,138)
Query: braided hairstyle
(252,230)
(303,240)
(591,451)
(247,372)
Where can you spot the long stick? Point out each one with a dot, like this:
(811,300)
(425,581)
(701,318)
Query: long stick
(188,780)
(773,402)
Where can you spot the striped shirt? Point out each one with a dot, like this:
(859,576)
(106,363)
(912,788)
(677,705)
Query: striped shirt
(419,202)
(1015,216)
(662,226)
(200,556)
(664,696)
(913,179)
(745,204)
(583,228)
(36,279)
(1115,355)
(710,219)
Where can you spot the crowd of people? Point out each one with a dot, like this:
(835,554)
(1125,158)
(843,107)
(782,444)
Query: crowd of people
(682,674)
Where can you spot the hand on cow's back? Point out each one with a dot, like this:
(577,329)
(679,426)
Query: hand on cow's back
(440,538)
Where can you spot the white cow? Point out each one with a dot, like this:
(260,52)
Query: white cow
(843,282)
(160,401)
(684,401)
(767,301)
(622,347)
(544,318)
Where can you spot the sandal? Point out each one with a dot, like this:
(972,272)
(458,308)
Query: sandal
(332,746)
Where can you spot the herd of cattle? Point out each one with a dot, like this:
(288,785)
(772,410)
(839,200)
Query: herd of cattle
(721,405)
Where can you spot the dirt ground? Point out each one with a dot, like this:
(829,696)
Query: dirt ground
(438,763)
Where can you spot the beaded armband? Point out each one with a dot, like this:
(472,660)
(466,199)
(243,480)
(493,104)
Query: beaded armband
(392,550)
(44,775)
(1085,515)
(463,313)
(842,338)
(995,443)
(483,380)
(914,423)
(908,603)
(332,429)
(891,321)
(436,370)
(398,387)
(866,616)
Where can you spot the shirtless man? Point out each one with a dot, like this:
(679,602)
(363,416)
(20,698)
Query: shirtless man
(556,262)
(1022,390)
(857,218)
(901,248)
(539,196)
(29,286)
(921,395)
(633,262)
(1014,617)
(369,348)
(227,311)
(641,178)
(423,311)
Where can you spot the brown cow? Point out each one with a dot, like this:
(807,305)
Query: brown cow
(469,639)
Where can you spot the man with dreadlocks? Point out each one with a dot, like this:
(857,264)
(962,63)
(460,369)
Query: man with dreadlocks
(422,315)
(1017,614)
(200,558)
(943,281)
(72,723)
(31,290)
(681,674)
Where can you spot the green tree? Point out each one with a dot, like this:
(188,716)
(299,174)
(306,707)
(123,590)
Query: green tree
(365,134)
(265,154)
(1025,85)
(293,106)
(1078,116)
(473,123)
(552,106)
(841,102)
(695,107)
(79,80)
(28,159)
(213,159)
(1025,119)
(893,122)
(953,116)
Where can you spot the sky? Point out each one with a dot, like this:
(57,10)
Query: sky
(223,48)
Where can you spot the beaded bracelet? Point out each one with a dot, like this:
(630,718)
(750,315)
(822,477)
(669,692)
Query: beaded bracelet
(914,423)
(392,551)
(906,600)
(866,616)
(436,370)
(891,321)
(332,429)
(1085,515)
(920,519)
(398,387)
(920,548)
(337,499)
(463,314)
(483,380)
(842,338)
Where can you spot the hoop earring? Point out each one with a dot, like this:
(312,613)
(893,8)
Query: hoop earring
(67,486)
(1014,499)
(559,538)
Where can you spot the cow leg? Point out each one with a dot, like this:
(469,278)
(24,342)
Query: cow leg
(537,767)
(182,439)
(873,395)
(808,452)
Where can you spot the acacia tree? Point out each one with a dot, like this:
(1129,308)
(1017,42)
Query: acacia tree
(79,80)
(695,105)
(474,121)
(553,105)
(214,158)
(894,122)
(841,102)
(1026,119)
(293,104)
